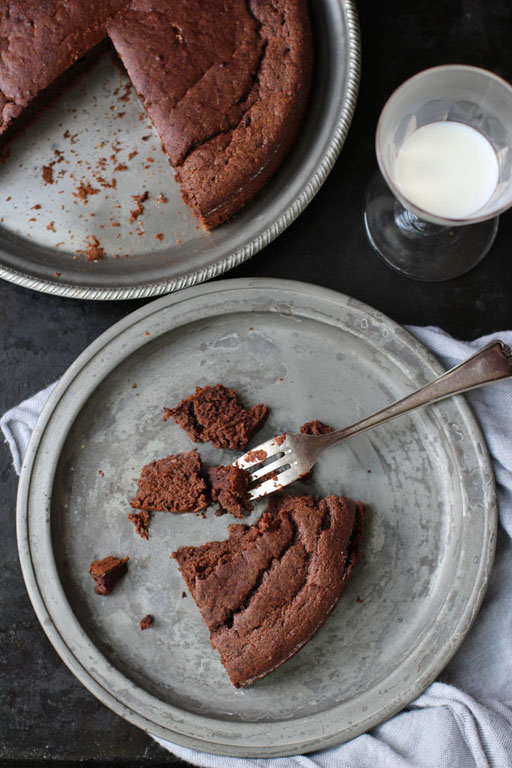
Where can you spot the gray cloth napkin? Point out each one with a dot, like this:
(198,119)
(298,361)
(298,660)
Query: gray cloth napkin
(463,720)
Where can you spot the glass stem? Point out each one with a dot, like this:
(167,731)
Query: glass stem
(408,222)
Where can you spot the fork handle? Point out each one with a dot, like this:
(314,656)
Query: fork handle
(492,363)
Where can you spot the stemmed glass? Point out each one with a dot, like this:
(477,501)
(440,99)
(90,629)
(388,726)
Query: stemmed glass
(416,242)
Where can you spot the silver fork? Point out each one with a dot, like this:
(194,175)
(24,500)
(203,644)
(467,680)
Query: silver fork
(294,455)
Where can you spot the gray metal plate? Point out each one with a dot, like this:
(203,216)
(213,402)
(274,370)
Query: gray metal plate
(90,131)
(308,353)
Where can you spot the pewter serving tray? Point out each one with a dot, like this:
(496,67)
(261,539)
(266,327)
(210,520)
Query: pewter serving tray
(90,132)
(307,352)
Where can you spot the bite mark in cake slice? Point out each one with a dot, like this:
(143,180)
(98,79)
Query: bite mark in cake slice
(229,487)
(216,414)
(172,484)
(266,590)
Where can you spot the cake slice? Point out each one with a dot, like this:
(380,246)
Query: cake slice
(173,484)
(267,589)
(216,414)
(229,487)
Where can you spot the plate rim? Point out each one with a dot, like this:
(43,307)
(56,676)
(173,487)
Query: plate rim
(323,740)
(273,230)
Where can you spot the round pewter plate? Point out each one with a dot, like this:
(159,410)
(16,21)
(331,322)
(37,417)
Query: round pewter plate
(306,352)
(70,177)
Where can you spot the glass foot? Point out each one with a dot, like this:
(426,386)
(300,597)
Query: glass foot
(416,248)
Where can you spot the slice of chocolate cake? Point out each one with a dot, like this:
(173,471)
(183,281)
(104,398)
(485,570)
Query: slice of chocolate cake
(107,572)
(229,487)
(267,589)
(173,484)
(216,414)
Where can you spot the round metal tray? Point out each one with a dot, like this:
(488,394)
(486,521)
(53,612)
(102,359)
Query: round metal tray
(308,353)
(89,133)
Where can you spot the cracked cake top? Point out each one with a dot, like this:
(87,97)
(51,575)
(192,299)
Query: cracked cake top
(265,591)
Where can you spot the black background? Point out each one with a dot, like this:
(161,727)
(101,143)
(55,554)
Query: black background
(45,713)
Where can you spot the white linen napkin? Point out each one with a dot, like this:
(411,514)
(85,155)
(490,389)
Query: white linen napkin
(464,719)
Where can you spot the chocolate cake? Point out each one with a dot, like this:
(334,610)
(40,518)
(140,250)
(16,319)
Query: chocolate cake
(107,572)
(267,589)
(173,484)
(225,82)
(215,414)
(40,41)
(229,486)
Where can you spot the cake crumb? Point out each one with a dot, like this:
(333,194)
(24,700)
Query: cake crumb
(51,226)
(134,386)
(183,594)
(94,250)
(141,521)
(84,190)
(167,414)
(101,473)
(146,622)
(47,174)
(159,236)
(139,199)
(163,198)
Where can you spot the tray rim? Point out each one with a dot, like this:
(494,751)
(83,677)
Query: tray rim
(260,241)
(323,740)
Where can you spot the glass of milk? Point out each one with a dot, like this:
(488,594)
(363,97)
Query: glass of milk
(444,148)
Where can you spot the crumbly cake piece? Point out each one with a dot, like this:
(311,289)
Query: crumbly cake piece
(315,428)
(267,589)
(107,573)
(172,484)
(141,521)
(215,414)
(229,487)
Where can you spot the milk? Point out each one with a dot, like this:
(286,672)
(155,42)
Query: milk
(447,169)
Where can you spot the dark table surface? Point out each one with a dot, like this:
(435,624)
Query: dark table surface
(45,713)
